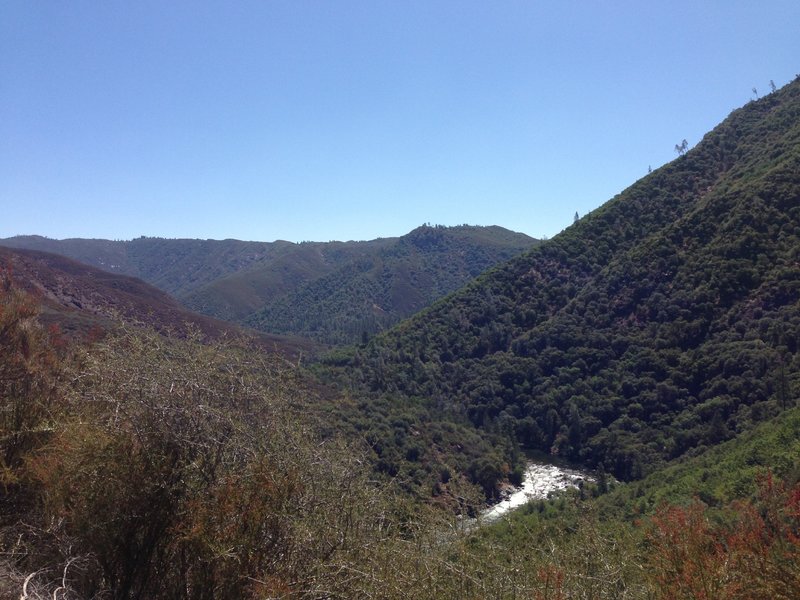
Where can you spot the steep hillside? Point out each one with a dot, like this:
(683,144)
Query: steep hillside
(240,294)
(80,298)
(367,295)
(727,472)
(666,321)
(174,266)
(330,291)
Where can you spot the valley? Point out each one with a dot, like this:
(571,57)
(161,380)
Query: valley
(337,406)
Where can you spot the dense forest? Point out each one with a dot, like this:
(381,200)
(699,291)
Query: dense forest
(329,292)
(369,295)
(660,324)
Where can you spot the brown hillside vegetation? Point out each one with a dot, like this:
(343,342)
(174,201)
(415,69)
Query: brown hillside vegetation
(82,299)
(146,466)
(150,467)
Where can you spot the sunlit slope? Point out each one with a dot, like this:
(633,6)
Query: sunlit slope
(365,296)
(663,322)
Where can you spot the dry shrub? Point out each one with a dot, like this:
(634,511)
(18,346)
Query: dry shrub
(754,554)
(187,469)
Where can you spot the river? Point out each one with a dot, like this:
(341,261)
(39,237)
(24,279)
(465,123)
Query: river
(539,481)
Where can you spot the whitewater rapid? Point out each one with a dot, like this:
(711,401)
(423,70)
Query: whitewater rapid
(539,481)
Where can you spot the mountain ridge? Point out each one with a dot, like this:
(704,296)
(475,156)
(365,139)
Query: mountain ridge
(365,296)
(656,325)
(263,284)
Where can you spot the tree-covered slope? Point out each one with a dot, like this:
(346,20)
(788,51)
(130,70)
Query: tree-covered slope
(175,266)
(375,291)
(330,291)
(202,273)
(725,473)
(663,322)
(241,293)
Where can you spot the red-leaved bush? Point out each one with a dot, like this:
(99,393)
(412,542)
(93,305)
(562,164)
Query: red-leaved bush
(753,551)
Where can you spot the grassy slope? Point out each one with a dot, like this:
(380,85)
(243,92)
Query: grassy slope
(726,472)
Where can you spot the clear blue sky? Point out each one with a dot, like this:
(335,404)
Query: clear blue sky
(328,120)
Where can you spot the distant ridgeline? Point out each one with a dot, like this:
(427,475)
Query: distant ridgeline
(333,292)
(664,322)
(369,294)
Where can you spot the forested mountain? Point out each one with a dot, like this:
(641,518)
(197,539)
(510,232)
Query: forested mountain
(331,291)
(663,322)
(174,266)
(367,295)
(239,294)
